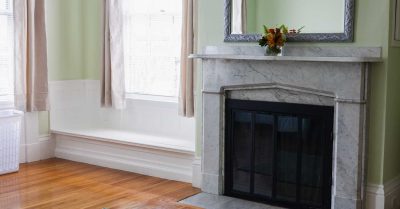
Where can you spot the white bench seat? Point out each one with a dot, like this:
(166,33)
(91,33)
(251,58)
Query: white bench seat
(131,138)
(146,154)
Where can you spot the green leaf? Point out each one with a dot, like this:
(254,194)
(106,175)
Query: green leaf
(299,30)
(265,29)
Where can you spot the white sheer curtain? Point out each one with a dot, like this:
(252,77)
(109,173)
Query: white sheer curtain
(113,78)
(31,84)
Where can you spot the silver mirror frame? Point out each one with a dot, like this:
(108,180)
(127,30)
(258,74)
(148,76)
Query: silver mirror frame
(346,36)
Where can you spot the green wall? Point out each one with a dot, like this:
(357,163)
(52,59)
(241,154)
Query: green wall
(370,30)
(92,29)
(392,137)
(74,40)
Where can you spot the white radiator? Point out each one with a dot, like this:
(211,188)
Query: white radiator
(10,134)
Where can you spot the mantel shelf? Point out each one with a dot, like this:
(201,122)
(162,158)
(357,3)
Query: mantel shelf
(287,58)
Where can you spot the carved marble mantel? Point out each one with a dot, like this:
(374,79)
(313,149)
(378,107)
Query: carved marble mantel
(321,76)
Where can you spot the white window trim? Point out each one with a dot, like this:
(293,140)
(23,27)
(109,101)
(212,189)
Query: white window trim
(6,105)
(154,98)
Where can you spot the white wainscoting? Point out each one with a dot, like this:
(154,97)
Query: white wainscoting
(197,176)
(385,196)
(75,104)
(34,147)
(148,137)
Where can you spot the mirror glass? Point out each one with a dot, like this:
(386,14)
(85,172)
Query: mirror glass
(323,20)
(317,16)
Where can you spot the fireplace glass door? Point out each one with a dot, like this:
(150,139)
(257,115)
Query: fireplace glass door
(279,153)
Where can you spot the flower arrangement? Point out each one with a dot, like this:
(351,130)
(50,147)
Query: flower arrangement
(275,38)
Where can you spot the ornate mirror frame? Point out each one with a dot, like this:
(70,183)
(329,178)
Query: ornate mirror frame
(346,36)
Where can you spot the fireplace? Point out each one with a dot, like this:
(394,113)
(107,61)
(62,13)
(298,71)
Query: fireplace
(333,79)
(279,153)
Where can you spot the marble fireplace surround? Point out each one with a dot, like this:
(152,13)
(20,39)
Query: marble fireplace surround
(334,76)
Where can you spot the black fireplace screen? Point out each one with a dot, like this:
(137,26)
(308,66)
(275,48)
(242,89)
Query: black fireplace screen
(279,153)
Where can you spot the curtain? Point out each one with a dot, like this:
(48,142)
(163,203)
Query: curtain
(239,16)
(186,91)
(31,83)
(112,76)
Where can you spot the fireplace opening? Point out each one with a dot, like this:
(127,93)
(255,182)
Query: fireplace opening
(279,153)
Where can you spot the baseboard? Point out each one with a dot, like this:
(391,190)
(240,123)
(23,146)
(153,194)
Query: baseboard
(152,162)
(41,150)
(386,196)
(392,193)
(375,197)
(196,182)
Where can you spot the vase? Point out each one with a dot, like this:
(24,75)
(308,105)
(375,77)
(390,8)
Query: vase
(276,51)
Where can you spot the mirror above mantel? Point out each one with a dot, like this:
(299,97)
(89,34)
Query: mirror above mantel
(323,20)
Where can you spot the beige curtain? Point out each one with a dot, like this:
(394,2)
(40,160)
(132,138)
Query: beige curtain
(31,84)
(112,76)
(186,91)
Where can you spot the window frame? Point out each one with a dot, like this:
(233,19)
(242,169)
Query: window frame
(8,103)
(150,97)
(132,95)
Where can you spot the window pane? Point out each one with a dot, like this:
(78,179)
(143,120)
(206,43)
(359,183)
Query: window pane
(5,5)
(151,35)
(6,53)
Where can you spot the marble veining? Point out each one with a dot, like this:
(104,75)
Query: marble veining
(280,95)
(341,83)
(311,75)
(295,54)
(373,52)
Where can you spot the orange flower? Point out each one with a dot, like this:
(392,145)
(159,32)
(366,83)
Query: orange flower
(276,37)
(272,31)
(279,42)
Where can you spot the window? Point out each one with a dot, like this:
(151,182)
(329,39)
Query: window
(6,54)
(152,45)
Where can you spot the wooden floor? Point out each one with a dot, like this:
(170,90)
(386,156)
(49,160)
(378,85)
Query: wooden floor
(57,183)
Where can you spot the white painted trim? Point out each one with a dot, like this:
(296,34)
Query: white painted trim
(34,147)
(392,193)
(375,197)
(196,182)
(152,162)
(392,185)
(154,98)
(40,150)
(386,196)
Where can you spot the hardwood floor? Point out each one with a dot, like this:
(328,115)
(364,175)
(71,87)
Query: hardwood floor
(58,183)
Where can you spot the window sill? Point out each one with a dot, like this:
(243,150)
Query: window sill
(4,105)
(153,98)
